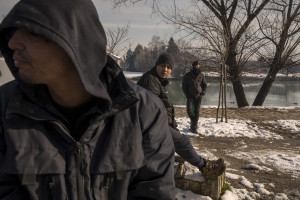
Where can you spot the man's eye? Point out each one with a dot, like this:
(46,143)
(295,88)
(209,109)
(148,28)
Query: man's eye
(37,37)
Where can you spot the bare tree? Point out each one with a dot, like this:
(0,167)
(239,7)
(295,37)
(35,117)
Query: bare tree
(235,17)
(281,26)
(225,26)
(117,38)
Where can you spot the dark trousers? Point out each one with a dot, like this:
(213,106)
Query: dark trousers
(193,109)
(184,148)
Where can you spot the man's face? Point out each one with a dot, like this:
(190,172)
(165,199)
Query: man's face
(163,70)
(40,61)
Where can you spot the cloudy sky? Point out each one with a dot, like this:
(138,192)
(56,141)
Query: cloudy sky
(143,24)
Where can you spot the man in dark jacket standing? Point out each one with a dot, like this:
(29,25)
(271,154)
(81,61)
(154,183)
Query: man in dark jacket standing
(156,80)
(72,126)
(194,87)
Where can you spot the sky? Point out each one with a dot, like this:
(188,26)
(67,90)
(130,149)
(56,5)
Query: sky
(143,24)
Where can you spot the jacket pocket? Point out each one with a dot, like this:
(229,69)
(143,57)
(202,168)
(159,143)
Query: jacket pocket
(41,171)
(101,184)
(34,161)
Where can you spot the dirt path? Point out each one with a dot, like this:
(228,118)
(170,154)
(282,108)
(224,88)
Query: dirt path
(282,182)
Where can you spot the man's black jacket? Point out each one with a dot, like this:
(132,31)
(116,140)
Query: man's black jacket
(194,84)
(126,150)
(151,81)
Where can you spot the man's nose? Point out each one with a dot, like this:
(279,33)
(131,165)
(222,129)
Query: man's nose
(16,41)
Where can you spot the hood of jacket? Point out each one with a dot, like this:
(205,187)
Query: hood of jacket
(77,30)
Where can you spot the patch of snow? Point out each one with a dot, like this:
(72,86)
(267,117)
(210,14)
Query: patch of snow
(232,176)
(233,128)
(245,182)
(272,185)
(281,196)
(228,195)
(284,161)
(244,194)
(188,195)
(257,167)
(292,125)
(261,189)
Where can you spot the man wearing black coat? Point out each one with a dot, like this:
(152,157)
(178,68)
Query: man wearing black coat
(194,87)
(156,80)
(71,125)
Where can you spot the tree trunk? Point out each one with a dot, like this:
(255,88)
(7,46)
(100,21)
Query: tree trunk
(239,93)
(264,90)
(234,73)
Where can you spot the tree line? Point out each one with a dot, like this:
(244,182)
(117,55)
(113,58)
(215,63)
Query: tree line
(142,58)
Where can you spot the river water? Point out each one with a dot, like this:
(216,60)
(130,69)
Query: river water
(282,93)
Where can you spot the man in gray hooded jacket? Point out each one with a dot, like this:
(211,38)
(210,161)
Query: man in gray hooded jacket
(72,127)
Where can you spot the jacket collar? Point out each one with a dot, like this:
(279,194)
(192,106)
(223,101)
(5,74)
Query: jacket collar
(163,81)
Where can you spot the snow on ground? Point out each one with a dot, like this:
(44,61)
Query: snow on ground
(292,125)
(283,161)
(188,195)
(233,128)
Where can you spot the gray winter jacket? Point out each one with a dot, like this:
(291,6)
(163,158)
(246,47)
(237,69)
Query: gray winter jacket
(126,151)
(194,84)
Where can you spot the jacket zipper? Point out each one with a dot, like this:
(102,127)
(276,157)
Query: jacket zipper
(78,160)
(51,186)
(80,185)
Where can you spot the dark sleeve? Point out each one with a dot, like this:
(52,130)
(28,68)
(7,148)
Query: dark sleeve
(185,86)
(203,85)
(155,180)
